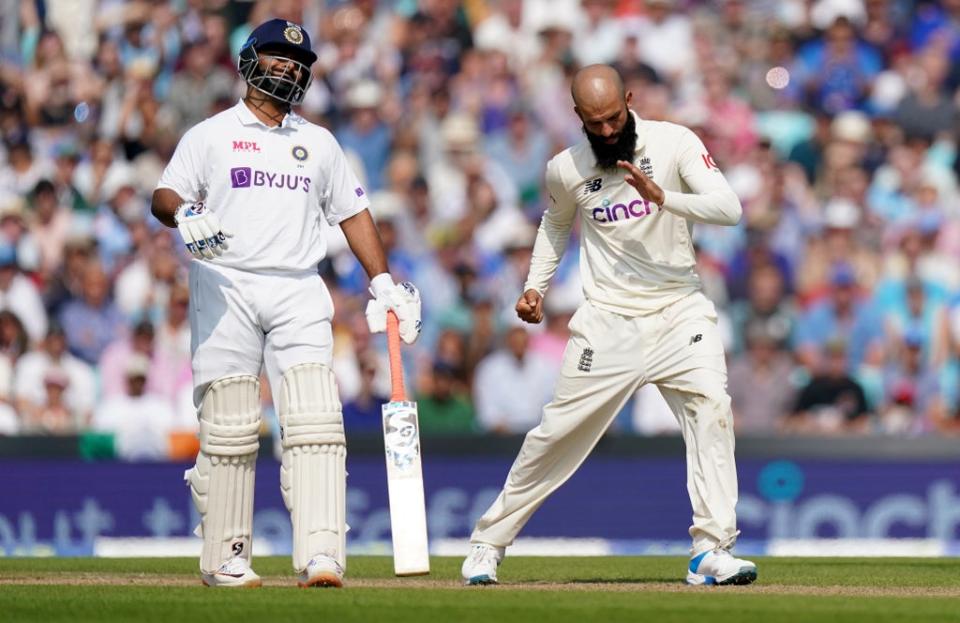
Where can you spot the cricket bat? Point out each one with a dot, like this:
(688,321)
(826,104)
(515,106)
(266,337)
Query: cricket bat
(401,440)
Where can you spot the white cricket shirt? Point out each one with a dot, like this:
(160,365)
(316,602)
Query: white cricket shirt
(269,186)
(635,257)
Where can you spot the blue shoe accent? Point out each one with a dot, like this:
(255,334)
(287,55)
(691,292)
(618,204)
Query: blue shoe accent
(746,575)
(709,580)
(695,561)
(481,580)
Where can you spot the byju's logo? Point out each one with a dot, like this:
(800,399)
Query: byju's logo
(240,177)
(638,208)
(245,177)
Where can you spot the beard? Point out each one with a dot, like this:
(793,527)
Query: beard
(608,154)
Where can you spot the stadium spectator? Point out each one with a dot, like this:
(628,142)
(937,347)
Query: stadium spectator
(365,134)
(761,380)
(139,421)
(53,415)
(92,320)
(81,382)
(842,315)
(832,401)
(445,408)
(767,305)
(362,413)
(918,397)
(19,294)
(512,385)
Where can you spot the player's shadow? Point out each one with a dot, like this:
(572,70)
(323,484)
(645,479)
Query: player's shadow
(671,579)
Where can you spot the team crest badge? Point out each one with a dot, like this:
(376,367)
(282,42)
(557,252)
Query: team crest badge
(293,34)
(300,152)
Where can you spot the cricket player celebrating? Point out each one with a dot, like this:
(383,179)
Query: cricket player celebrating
(637,187)
(249,189)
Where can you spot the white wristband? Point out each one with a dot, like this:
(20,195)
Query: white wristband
(380,284)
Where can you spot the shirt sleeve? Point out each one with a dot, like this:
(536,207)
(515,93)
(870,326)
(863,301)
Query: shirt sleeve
(554,232)
(343,196)
(184,173)
(712,200)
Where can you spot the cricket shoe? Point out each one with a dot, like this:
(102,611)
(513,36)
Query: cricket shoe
(235,573)
(480,567)
(718,566)
(321,571)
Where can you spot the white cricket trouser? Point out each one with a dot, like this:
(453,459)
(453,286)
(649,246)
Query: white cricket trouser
(240,321)
(607,358)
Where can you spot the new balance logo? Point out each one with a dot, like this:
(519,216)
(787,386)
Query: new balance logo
(696,338)
(592,186)
(586,360)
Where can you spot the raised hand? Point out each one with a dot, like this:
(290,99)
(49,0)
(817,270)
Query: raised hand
(647,188)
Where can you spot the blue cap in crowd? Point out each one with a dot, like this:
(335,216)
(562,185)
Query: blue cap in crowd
(914,337)
(842,275)
(281,34)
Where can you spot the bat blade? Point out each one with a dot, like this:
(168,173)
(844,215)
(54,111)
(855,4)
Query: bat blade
(408,517)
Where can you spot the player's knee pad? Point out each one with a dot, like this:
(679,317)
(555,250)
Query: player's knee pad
(313,469)
(310,411)
(221,482)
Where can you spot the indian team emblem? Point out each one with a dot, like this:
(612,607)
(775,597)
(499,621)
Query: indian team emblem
(300,152)
(293,34)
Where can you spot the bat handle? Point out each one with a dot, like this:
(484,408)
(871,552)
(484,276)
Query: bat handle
(396,365)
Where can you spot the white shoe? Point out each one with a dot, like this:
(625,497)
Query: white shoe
(480,567)
(718,566)
(235,573)
(322,571)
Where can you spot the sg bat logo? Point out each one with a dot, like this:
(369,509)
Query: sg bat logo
(401,439)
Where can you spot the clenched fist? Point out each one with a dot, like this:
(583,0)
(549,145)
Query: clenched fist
(530,307)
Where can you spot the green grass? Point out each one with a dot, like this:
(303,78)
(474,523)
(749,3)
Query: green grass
(535,589)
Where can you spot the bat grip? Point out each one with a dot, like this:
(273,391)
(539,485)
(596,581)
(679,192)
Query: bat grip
(396,365)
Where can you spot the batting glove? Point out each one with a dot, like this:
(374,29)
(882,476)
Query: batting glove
(402,298)
(201,231)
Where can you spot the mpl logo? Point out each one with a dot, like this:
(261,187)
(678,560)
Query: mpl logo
(248,146)
(246,177)
(638,208)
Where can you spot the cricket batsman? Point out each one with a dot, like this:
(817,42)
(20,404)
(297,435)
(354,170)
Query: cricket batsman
(637,188)
(251,190)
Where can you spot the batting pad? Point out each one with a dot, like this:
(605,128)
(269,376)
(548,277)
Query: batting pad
(313,476)
(221,482)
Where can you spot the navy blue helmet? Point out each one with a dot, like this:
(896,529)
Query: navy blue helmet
(283,41)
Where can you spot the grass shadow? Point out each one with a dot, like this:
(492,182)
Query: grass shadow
(645,580)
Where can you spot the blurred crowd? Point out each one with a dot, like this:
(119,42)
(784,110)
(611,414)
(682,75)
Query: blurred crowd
(834,120)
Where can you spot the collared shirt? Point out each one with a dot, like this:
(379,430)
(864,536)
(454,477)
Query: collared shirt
(270,186)
(636,257)
(510,393)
